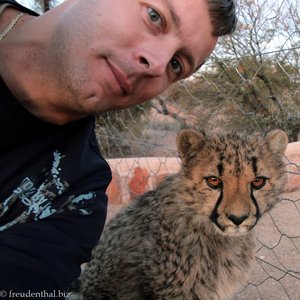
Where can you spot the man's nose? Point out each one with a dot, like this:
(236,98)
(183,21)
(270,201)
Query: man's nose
(154,63)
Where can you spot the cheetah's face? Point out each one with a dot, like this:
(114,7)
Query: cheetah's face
(233,179)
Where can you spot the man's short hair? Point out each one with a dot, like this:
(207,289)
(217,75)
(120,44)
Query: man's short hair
(223,16)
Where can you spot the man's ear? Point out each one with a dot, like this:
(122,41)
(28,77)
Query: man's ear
(276,141)
(189,142)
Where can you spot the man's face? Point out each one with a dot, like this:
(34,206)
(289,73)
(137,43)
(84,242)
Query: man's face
(117,53)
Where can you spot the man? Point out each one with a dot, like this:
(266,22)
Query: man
(57,71)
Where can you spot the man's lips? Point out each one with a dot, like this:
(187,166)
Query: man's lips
(121,78)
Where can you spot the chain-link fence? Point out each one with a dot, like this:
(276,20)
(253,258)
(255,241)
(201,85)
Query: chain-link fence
(251,83)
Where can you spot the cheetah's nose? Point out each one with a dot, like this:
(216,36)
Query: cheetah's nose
(237,220)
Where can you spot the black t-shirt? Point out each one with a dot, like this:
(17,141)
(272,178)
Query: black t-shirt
(47,169)
(51,176)
(50,172)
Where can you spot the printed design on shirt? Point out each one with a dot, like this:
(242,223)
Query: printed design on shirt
(39,201)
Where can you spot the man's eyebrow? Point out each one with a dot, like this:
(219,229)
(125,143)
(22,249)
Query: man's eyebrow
(174,15)
(176,20)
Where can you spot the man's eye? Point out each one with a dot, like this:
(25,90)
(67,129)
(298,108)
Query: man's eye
(176,66)
(155,17)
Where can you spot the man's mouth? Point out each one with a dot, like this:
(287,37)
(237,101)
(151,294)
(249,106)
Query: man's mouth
(121,78)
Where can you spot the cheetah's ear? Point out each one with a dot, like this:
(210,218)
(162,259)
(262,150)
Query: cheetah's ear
(189,142)
(276,141)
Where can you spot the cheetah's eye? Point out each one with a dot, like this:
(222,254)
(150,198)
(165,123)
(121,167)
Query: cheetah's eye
(259,182)
(213,182)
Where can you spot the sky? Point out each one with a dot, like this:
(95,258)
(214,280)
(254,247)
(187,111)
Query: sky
(29,3)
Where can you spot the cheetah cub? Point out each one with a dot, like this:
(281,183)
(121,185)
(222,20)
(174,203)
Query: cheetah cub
(191,237)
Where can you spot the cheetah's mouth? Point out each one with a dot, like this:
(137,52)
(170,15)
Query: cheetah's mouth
(234,230)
